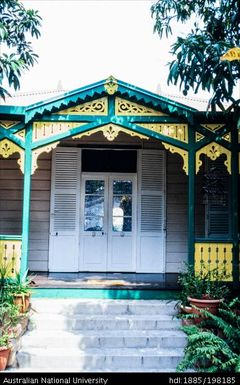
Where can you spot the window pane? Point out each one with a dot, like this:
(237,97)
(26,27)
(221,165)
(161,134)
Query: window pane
(122,187)
(94,205)
(122,224)
(122,205)
(95,187)
(93,224)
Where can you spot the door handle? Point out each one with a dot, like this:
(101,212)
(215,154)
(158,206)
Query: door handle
(94,234)
(103,233)
(122,235)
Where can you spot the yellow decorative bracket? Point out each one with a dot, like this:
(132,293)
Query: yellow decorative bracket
(7,148)
(110,132)
(111,85)
(39,151)
(181,152)
(213,151)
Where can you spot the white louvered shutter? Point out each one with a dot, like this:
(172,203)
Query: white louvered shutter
(151,211)
(64,210)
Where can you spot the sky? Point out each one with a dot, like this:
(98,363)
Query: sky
(86,41)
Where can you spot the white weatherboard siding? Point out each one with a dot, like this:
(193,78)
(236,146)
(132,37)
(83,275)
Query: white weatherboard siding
(176,196)
(11,184)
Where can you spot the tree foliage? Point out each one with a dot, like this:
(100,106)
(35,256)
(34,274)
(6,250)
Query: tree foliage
(215,29)
(17,24)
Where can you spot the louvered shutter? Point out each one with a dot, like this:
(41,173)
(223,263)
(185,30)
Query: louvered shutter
(218,213)
(64,210)
(151,211)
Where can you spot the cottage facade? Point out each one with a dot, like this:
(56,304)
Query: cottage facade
(113,178)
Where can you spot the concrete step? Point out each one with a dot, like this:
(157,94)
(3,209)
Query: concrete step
(105,339)
(99,359)
(93,306)
(104,322)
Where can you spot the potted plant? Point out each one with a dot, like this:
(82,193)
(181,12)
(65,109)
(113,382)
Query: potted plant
(21,292)
(203,290)
(5,348)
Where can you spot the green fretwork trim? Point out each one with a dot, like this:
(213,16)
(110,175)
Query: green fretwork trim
(14,111)
(191,195)
(212,137)
(26,200)
(98,90)
(68,99)
(92,118)
(235,205)
(7,134)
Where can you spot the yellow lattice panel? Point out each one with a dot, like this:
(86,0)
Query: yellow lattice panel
(125,107)
(10,255)
(210,256)
(213,127)
(42,130)
(199,136)
(94,107)
(175,131)
(227,137)
(213,151)
(8,123)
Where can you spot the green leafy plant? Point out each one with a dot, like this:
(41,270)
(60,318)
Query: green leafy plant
(214,347)
(208,284)
(4,341)
(20,285)
(17,26)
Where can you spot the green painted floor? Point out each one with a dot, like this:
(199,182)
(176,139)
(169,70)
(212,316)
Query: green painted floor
(104,293)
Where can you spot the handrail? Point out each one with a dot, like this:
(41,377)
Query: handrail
(7,237)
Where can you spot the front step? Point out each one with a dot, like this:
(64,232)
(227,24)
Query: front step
(108,339)
(105,322)
(137,307)
(102,336)
(98,358)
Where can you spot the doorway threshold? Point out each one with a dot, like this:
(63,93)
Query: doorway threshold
(113,281)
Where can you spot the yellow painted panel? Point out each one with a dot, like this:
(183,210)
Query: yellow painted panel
(175,131)
(94,107)
(10,254)
(125,107)
(210,256)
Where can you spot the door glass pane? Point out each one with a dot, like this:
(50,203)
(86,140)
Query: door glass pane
(122,224)
(94,187)
(122,205)
(93,224)
(122,187)
(94,205)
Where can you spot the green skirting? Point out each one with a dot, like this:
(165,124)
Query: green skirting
(104,293)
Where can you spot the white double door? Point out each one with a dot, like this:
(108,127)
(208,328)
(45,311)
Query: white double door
(107,239)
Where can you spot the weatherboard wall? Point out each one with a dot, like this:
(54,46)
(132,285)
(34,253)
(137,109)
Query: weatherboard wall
(11,182)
